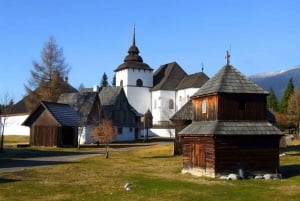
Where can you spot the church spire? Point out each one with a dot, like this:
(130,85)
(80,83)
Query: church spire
(133,43)
(133,52)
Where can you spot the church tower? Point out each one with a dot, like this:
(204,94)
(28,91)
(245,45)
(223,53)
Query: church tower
(136,78)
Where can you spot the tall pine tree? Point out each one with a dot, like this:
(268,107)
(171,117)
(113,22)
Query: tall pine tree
(272,101)
(289,90)
(104,82)
(113,82)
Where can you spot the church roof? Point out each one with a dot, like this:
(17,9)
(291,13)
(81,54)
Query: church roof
(133,59)
(229,80)
(168,76)
(195,80)
(230,128)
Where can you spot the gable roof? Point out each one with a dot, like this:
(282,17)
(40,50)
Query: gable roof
(109,96)
(230,128)
(81,102)
(168,76)
(62,113)
(184,113)
(195,80)
(229,80)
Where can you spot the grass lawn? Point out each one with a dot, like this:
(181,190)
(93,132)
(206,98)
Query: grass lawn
(154,174)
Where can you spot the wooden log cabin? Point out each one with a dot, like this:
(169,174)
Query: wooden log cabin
(53,124)
(230,131)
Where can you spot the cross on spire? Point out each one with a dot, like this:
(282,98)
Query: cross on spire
(227,57)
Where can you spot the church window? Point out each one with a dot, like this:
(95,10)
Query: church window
(155,104)
(121,83)
(204,106)
(120,131)
(139,83)
(180,98)
(171,104)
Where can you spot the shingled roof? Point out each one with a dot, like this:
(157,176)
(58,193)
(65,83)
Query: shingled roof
(185,112)
(109,96)
(168,76)
(195,80)
(81,102)
(230,128)
(229,80)
(63,114)
(133,59)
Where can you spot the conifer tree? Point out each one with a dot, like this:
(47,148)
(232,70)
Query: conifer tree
(272,101)
(47,77)
(104,82)
(287,93)
(113,82)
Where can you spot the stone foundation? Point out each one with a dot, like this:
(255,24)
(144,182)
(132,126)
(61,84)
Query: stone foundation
(200,172)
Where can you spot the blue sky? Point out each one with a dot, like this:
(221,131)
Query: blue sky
(262,36)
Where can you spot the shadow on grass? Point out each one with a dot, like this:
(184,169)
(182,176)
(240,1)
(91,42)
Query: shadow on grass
(19,164)
(169,156)
(288,171)
(3,180)
(32,152)
(23,158)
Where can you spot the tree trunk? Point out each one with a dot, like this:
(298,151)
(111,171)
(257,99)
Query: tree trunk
(106,150)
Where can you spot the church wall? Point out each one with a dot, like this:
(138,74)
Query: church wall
(130,76)
(161,106)
(139,98)
(183,96)
(121,75)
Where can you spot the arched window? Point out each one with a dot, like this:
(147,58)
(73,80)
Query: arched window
(171,104)
(139,83)
(121,83)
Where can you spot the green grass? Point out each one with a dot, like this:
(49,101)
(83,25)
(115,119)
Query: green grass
(8,139)
(154,174)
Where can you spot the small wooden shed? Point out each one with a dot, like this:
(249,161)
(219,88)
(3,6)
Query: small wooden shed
(230,131)
(53,124)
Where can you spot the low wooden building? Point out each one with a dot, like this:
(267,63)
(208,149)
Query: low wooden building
(230,131)
(53,124)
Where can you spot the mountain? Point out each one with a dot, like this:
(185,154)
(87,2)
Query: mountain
(278,80)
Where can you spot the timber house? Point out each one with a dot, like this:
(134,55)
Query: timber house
(230,131)
(53,124)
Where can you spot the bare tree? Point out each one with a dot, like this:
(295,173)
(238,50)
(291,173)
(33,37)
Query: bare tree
(47,77)
(104,133)
(6,108)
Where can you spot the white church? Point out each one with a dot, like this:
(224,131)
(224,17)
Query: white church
(162,92)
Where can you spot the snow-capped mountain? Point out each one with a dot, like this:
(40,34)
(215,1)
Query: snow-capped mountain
(278,80)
